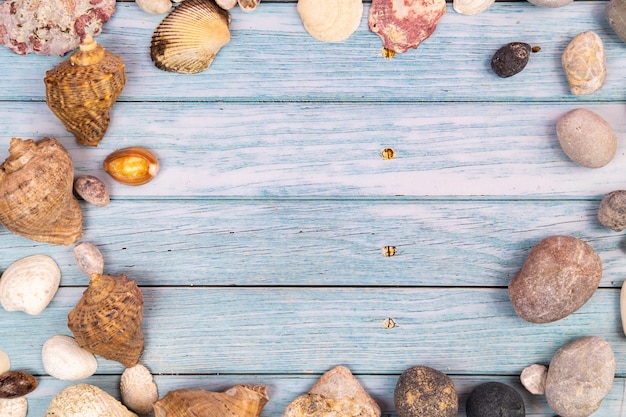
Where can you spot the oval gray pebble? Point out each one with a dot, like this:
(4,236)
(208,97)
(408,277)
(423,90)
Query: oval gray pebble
(92,190)
(511,59)
(586,138)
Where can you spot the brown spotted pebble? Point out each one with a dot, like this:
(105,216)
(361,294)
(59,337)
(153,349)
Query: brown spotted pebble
(422,391)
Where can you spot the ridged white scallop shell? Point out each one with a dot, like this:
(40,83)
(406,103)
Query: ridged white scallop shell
(330,20)
(189,38)
(63,359)
(85,400)
(471,7)
(29,284)
(138,389)
(13,407)
(89,258)
(5,362)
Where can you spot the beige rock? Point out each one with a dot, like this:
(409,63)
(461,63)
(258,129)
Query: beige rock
(13,407)
(5,362)
(584,63)
(533,378)
(336,394)
(471,7)
(154,6)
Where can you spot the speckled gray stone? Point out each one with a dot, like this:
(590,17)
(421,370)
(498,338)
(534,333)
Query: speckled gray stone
(586,138)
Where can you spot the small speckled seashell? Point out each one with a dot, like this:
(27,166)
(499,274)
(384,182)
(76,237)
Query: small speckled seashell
(13,407)
(86,400)
(612,211)
(154,6)
(404,25)
(248,5)
(584,63)
(471,7)
(92,190)
(510,59)
(63,359)
(132,166)
(330,20)
(138,390)
(189,38)
(89,258)
(615,11)
(15,384)
(5,362)
(29,284)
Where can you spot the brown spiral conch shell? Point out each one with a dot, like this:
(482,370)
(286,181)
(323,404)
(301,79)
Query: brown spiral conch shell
(36,198)
(107,319)
(190,37)
(81,90)
(239,401)
(404,25)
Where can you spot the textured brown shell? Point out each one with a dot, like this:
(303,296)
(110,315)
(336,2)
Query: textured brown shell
(15,384)
(107,319)
(189,38)
(81,90)
(36,198)
(239,401)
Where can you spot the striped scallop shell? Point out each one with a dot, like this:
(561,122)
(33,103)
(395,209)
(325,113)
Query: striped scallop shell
(63,359)
(190,37)
(330,20)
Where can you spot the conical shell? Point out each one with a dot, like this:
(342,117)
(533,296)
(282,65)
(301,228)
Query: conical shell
(238,401)
(107,319)
(190,37)
(138,390)
(330,20)
(63,359)
(29,284)
(81,90)
(36,198)
(85,400)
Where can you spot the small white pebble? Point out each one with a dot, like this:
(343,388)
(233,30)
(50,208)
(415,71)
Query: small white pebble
(533,378)
(154,6)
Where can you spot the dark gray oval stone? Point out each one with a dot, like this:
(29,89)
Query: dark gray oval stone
(494,399)
(510,59)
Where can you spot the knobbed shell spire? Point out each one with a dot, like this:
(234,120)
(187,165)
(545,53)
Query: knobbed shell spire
(36,199)
(81,90)
(107,319)
(239,401)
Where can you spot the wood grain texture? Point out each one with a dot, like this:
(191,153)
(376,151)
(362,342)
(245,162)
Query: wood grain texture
(272,58)
(334,150)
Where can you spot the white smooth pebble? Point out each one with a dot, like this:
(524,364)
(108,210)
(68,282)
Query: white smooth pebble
(533,378)
(63,359)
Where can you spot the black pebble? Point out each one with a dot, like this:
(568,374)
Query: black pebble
(510,59)
(494,399)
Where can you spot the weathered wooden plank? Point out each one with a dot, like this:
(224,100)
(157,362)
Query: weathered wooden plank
(271,57)
(335,243)
(204,330)
(334,150)
(282,389)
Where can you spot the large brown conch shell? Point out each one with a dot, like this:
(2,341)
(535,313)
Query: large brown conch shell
(81,90)
(107,319)
(190,37)
(239,401)
(36,199)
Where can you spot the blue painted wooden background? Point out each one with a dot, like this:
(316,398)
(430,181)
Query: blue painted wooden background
(259,244)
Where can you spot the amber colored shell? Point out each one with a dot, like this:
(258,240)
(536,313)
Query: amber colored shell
(107,319)
(15,384)
(81,90)
(36,198)
(189,38)
(131,166)
(239,401)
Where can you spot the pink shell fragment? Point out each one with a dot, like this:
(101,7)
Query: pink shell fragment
(51,27)
(404,24)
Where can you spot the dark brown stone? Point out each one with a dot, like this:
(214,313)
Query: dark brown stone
(511,59)
(425,392)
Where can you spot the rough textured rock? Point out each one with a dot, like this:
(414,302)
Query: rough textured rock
(615,11)
(51,27)
(533,378)
(13,407)
(425,392)
(584,63)
(336,394)
(612,210)
(580,375)
(586,138)
(511,59)
(494,399)
(558,276)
